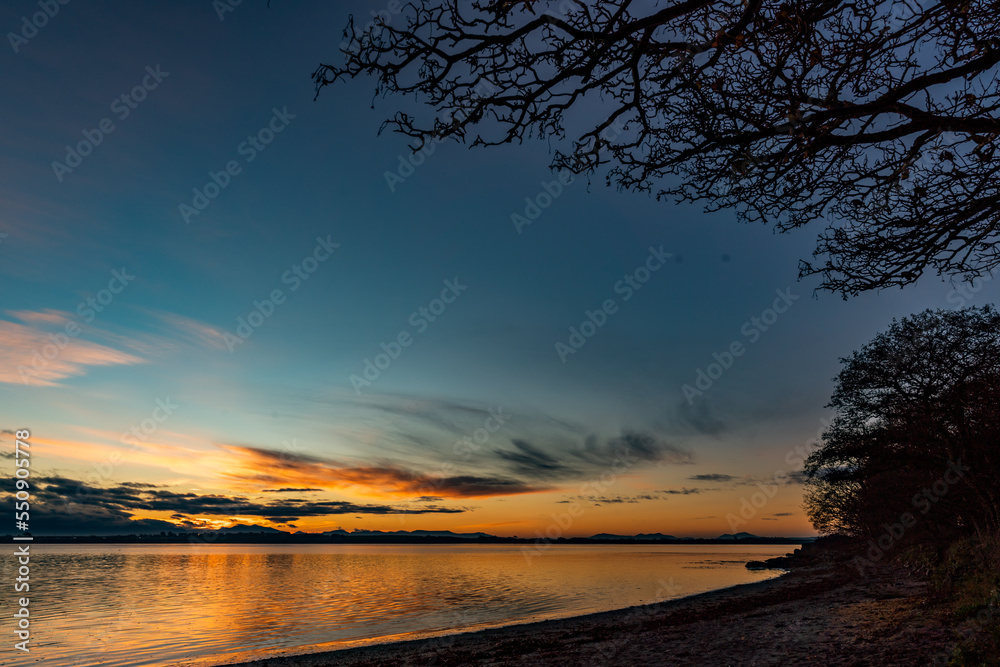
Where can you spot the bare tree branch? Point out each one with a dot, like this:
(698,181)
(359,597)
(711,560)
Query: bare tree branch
(878,117)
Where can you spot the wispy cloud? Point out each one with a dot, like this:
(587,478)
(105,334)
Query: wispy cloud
(699,417)
(291,490)
(192,331)
(797,477)
(614,500)
(504,471)
(46,316)
(530,460)
(559,459)
(256,466)
(33,356)
(46,346)
(530,446)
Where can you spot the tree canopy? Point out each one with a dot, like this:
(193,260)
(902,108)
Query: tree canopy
(918,409)
(878,118)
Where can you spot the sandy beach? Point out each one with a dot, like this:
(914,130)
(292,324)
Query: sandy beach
(821,614)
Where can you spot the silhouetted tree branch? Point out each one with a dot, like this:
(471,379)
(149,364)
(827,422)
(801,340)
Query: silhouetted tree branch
(878,117)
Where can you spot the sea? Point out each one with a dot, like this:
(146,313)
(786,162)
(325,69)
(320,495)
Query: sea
(200,605)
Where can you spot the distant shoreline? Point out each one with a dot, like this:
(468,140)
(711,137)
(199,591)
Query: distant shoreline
(820,613)
(267,538)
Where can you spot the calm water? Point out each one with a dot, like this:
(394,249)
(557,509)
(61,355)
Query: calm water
(206,604)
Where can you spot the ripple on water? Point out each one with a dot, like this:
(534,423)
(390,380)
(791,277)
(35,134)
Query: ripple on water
(124,606)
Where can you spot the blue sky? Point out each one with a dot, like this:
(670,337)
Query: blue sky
(323,176)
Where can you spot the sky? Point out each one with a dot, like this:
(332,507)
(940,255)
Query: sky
(224,301)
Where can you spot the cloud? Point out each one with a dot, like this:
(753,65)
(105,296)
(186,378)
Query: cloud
(712,477)
(559,460)
(67,506)
(648,448)
(42,345)
(680,492)
(698,416)
(595,455)
(783,514)
(524,467)
(32,356)
(95,523)
(287,490)
(532,446)
(531,461)
(797,477)
(614,500)
(631,500)
(46,316)
(605,500)
(404,446)
(272,468)
(414,415)
(194,332)
(7,454)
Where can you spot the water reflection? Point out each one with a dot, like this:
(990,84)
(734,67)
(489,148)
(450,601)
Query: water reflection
(125,606)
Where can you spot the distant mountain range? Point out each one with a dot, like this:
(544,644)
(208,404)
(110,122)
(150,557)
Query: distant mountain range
(661,536)
(248,528)
(251,533)
(640,536)
(253,529)
(398,533)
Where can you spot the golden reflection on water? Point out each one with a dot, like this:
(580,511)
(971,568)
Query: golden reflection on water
(129,605)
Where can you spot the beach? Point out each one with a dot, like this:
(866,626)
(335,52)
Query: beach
(820,614)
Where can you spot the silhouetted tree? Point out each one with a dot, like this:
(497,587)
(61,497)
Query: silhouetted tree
(917,410)
(879,117)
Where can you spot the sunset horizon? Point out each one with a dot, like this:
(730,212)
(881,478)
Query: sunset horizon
(503,332)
